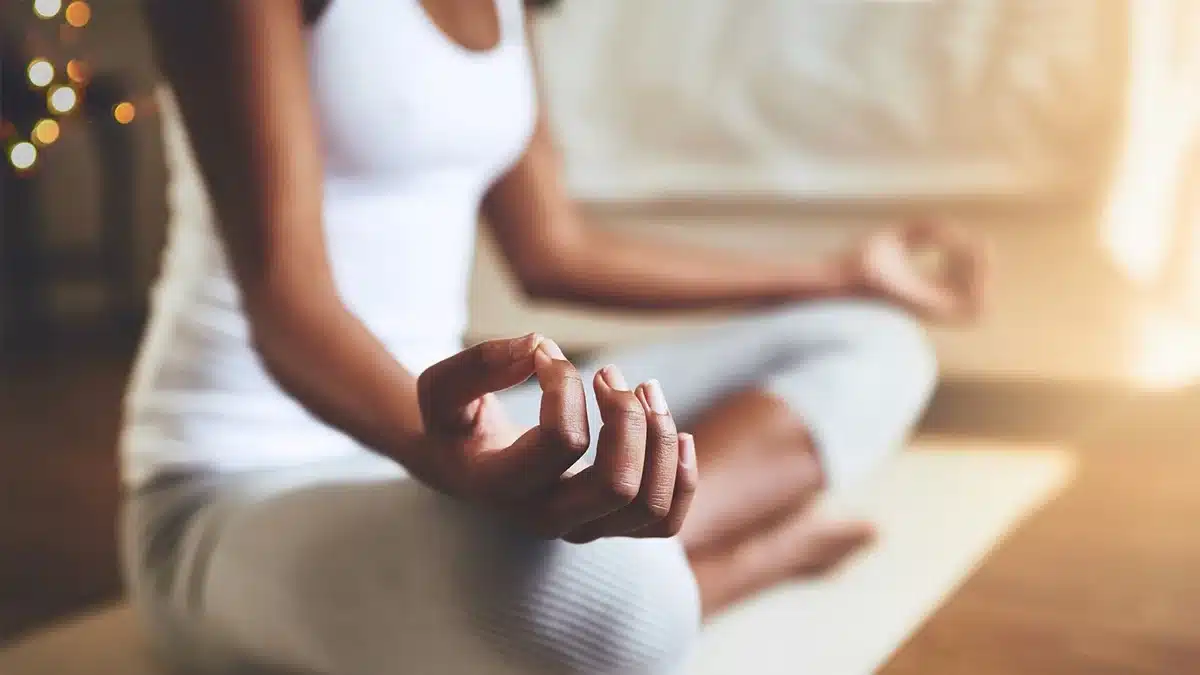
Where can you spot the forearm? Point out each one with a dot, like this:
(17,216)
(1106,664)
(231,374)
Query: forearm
(612,269)
(328,361)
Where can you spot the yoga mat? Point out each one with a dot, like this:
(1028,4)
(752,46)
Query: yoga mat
(940,509)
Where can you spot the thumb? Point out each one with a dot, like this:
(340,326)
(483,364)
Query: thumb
(447,390)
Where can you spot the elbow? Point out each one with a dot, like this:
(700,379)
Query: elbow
(543,282)
(539,289)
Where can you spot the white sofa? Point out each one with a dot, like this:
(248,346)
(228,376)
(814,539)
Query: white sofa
(1063,130)
(850,101)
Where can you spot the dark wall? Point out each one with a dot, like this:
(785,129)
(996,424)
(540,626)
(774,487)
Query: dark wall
(82,228)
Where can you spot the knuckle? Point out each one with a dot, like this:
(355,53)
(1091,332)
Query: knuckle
(621,491)
(631,415)
(572,440)
(656,508)
(630,410)
(570,379)
(490,352)
(668,437)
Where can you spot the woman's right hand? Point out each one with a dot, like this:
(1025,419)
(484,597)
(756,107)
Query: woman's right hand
(644,475)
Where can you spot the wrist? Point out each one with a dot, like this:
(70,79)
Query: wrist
(831,278)
(405,427)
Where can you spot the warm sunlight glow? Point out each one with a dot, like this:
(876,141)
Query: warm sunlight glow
(1168,352)
(1138,222)
(1141,214)
(1191,276)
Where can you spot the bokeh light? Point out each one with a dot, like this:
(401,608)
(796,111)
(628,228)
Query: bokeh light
(41,72)
(22,155)
(46,131)
(77,71)
(47,9)
(63,99)
(78,13)
(124,112)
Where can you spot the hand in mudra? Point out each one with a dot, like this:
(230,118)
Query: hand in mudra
(886,265)
(644,475)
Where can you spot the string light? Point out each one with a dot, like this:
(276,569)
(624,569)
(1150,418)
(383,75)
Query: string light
(78,13)
(124,112)
(62,99)
(76,70)
(41,73)
(47,9)
(22,155)
(46,131)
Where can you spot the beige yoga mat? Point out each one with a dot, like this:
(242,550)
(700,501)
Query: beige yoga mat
(940,510)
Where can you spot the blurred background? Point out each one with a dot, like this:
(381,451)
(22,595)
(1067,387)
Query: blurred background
(1067,134)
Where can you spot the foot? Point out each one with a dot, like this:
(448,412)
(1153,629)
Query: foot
(812,546)
(804,547)
(758,466)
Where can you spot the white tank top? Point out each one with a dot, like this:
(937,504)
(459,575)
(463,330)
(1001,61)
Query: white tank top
(414,129)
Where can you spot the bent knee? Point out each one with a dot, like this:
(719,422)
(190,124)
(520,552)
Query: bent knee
(461,592)
(898,342)
(883,337)
(611,606)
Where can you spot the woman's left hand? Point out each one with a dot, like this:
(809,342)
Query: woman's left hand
(885,265)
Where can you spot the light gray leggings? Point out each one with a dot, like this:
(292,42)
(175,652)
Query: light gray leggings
(350,568)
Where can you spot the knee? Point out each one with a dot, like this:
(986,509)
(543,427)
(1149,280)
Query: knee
(889,341)
(900,344)
(448,589)
(612,606)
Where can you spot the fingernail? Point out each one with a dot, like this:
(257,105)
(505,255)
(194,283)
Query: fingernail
(523,347)
(552,350)
(654,394)
(687,449)
(640,392)
(615,379)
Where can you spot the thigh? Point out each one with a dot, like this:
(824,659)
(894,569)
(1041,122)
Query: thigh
(836,363)
(699,368)
(366,571)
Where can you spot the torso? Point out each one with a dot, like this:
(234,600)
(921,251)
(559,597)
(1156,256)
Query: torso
(421,108)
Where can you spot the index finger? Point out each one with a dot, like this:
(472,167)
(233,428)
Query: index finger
(446,389)
(538,459)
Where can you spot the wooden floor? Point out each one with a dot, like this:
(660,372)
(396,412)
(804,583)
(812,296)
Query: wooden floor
(1106,580)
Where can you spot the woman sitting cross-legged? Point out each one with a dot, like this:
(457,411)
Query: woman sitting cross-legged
(321,480)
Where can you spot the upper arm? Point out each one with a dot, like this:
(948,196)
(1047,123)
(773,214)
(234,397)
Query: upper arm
(239,74)
(529,209)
